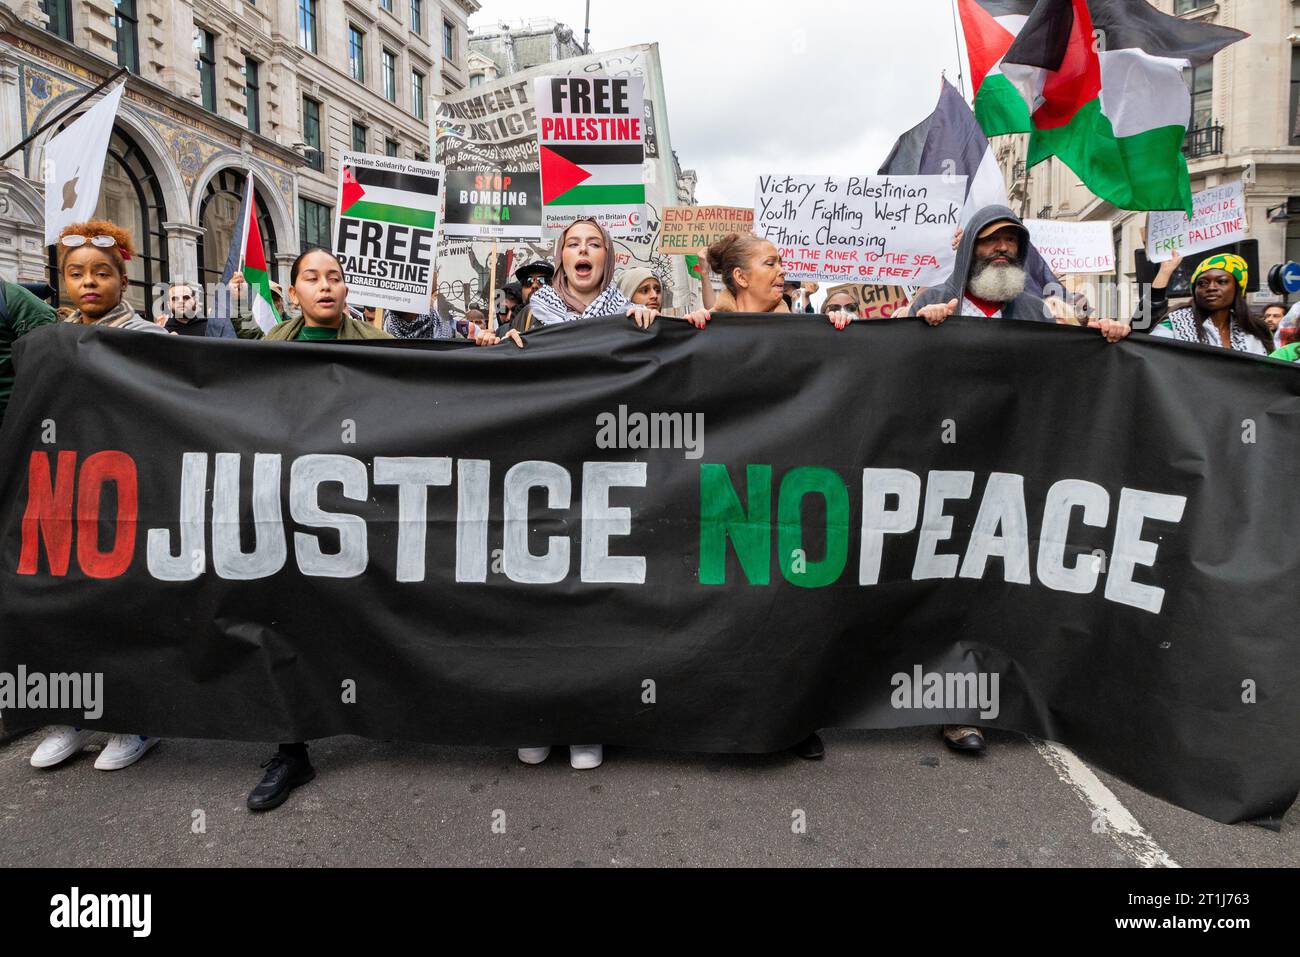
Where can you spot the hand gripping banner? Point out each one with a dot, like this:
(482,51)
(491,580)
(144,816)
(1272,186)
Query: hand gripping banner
(711,540)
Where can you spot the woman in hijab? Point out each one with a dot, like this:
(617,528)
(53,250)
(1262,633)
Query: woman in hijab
(584,282)
(641,287)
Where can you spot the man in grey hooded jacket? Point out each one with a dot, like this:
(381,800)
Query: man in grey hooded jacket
(989,276)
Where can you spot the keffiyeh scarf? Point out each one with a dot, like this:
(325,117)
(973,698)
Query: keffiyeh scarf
(549,309)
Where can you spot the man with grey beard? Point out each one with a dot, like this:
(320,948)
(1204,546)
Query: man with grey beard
(989,276)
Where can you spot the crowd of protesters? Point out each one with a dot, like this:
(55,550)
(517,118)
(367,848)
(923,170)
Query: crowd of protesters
(988,281)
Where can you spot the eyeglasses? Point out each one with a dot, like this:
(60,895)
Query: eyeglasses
(76,239)
(850,307)
(535,281)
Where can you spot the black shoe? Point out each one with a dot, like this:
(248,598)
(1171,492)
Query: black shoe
(284,772)
(961,737)
(810,748)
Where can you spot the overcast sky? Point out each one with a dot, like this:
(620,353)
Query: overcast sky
(819,86)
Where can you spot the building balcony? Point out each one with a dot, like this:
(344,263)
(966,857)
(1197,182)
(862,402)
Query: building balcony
(1205,141)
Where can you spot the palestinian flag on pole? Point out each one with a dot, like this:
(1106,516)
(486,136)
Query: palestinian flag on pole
(389,197)
(253,266)
(592,174)
(990,27)
(1103,80)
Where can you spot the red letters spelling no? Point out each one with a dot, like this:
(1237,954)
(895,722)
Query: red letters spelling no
(48,515)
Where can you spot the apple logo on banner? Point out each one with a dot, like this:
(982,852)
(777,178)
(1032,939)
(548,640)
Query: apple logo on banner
(70,193)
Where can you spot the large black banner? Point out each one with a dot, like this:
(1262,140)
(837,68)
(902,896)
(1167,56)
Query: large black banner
(710,540)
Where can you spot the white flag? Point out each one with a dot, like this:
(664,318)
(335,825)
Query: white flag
(74,165)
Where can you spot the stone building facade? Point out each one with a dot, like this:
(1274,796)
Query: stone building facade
(215,89)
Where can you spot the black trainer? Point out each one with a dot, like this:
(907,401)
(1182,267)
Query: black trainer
(284,772)
(810,748)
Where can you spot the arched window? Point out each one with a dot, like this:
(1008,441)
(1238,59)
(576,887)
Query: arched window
(131,196)
(218,216)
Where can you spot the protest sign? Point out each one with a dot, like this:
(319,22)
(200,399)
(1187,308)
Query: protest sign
(868,229)
(591,144)
(1218,218)
(486,584)
(686,228)
(498,204)
(874,302)
(493,127)
(386,230)
(1071,247)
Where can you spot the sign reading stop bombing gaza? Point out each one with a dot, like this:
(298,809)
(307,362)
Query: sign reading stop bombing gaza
(591,144)
(386,230)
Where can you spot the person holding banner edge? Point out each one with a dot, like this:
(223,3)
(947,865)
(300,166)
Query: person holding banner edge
(92,260)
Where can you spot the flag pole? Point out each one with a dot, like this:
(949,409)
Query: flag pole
(492,288)
(62,113)
(956,36)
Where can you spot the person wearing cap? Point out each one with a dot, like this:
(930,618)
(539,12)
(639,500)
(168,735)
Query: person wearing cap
(1218,315)
(533,276)
(988,281)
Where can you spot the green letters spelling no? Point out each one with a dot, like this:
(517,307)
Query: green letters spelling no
(721,515)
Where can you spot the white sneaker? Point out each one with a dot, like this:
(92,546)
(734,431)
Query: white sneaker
(61,743)
(584,757)
(534,755)
(123,750)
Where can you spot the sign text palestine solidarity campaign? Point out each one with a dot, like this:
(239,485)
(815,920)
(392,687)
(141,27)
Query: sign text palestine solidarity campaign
(895,502)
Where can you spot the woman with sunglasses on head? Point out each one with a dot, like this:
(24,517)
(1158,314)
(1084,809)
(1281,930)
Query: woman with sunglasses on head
(584,282)
(753,278)
(92,260)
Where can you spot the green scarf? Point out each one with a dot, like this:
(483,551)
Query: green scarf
(349,328)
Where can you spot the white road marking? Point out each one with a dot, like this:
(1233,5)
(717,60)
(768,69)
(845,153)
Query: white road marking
(1121,825)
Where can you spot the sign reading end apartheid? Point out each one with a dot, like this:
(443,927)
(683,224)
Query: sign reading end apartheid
(386,230)
(774,574)
(686,228)
(877,230)
(1218,219)
(591,146)
(1074,248)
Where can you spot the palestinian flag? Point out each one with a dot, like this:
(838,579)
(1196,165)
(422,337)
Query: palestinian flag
(1114,108)
(253,259)
(592,174)
(405,199)
(990,27)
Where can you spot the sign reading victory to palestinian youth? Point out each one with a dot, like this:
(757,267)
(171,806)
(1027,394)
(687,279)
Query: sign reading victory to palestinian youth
(878,230)
(1218,218)
(386,230)
(686,228)
(591,141)
(1074,247)
(505,204)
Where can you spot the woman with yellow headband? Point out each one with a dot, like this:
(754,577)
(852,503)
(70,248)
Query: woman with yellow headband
(1218,315)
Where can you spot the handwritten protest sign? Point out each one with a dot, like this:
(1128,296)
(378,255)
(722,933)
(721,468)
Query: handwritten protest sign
(1074,247)
(686,228)
(591,142)
(874,302)
(1218,218)
(386,230)
(868,229)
